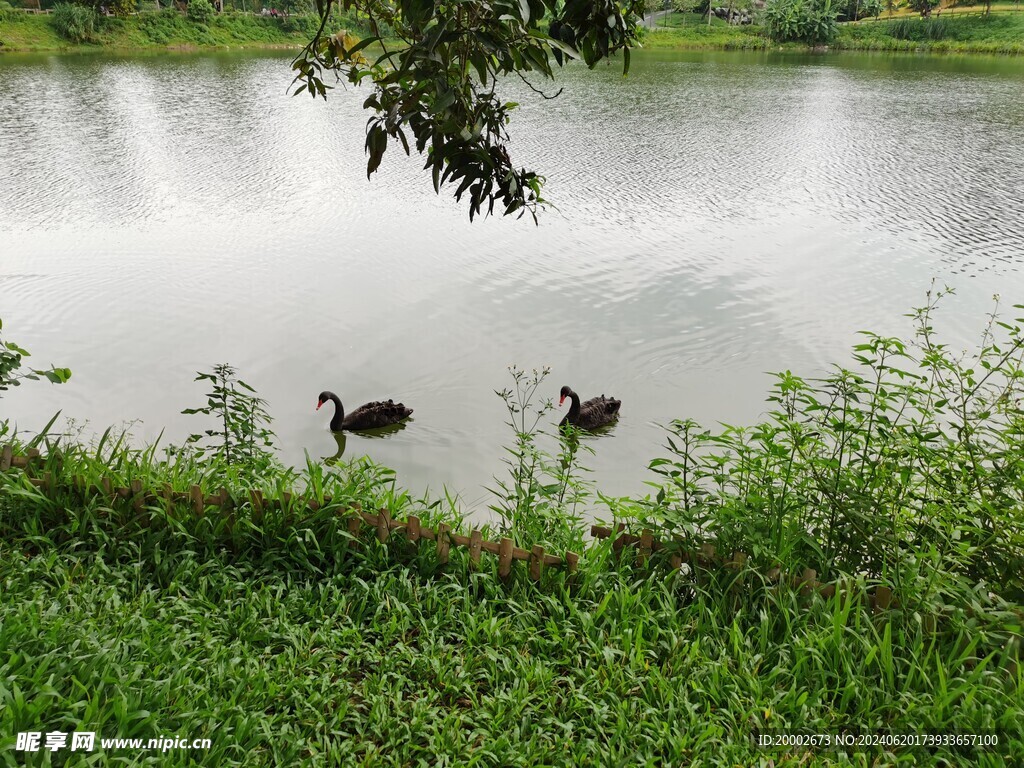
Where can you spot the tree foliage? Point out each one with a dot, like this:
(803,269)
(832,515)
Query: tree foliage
(436,88)
(924,7)
(853,10)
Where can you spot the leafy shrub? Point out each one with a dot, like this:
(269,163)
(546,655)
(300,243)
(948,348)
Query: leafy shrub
(805,21)
(7,12)
(74,22)
(908,467)
(200,11)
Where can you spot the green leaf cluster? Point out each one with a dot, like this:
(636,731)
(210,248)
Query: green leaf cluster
(435,81)
(11,357)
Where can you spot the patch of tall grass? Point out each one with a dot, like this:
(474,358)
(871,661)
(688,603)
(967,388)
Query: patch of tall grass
(919,29)
(75,22)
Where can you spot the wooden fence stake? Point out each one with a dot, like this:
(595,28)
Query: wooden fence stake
(475,543)
(383,526)
(572,560)
(809,581)
(883,598)
(354,524)
(505,558)
(646,545)
(137,495)
(413,531)
(536,561)
(198,503)
(6,457)
(108,487)
(443,542)
(707,554)
(256,501)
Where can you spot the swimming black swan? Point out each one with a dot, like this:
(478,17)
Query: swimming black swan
(596,412)
(369,416)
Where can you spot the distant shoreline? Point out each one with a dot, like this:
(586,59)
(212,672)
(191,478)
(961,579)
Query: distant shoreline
(168,31)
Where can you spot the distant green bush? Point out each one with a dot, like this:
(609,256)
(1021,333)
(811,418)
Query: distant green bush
(75,22)
(201,11)
(804,21)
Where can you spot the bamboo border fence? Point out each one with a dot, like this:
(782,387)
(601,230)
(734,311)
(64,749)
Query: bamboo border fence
(706,557)
(382,522)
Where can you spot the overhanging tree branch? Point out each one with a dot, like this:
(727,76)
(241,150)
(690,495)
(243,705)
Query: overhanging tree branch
(437,87)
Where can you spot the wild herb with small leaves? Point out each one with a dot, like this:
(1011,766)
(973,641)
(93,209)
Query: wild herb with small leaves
(542,499)
(243,439)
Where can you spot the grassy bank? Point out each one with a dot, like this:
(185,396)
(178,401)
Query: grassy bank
(1000,33)
(151,30)
(285,647)
(287,640)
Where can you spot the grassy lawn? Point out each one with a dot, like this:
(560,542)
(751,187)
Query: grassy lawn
(959,30)
(167,29)
(286,652)
(946,33)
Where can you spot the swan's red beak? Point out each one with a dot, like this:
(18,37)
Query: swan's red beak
(318,404)
(561,399)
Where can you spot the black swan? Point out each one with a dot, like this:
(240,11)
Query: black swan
(369,416)
(594,413)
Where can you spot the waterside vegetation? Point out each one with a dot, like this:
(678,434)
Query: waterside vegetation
(71,27)
(285,636)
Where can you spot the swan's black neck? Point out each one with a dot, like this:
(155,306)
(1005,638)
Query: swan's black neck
(339,412)
(574,409)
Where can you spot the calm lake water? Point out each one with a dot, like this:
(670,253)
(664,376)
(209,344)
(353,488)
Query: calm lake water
(719,216)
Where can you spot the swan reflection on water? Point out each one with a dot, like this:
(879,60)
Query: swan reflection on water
(341,438)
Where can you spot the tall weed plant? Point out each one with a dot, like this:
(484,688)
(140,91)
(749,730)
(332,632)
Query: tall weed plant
(541,499)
